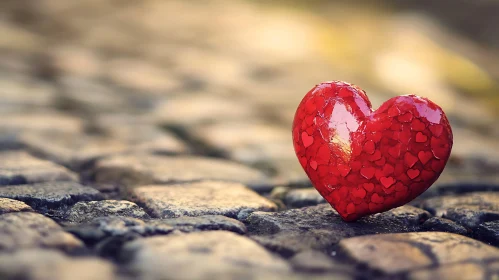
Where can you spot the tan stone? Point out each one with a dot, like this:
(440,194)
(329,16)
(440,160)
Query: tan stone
(142,169)
(201,198)
(32,230)
(468,271)
(47,264)
(216,255)
(19,167)
(10,205)
(394,253)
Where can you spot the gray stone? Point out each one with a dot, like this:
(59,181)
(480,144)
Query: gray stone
(320,227)
(10,205)
(488,232)
(44,196)
(30,230)
(40,264)
(101,229)
(460,188)
(444,225)
(88,210)
(201,255)
(73,150)
(469,210)
(201,223)
(402,252)
(199,199)
(141,169)
(104,227)
(468,271)
(19,167)
(303,197)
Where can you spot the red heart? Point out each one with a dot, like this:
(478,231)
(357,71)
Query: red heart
(363,161)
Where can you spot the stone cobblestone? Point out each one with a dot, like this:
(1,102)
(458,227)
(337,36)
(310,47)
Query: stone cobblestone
(49,264)
(199,199)
(152,139)
(410,251)
(87,210)
(320,227)
(18,168)
(11,205)
(217,254)
(469,210)
(45,196)
(32,230)
(134,170)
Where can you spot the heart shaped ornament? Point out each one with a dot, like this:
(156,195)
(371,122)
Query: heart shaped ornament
(363,161)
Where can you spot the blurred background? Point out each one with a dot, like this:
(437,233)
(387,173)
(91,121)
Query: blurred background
(81,79)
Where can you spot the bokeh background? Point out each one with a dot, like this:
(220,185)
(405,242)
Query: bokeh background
(79,79)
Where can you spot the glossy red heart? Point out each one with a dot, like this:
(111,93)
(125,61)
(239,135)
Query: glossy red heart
(363,161)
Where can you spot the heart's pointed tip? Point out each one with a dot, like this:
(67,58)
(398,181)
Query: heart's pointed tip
(350,219)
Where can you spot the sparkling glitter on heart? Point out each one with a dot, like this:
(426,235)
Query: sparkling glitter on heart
(363,161)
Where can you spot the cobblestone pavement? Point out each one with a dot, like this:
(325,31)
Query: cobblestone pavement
(151,140)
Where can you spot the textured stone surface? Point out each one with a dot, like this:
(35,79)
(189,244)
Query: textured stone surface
(302,197)
(73,150)
(198,199)
(89,210)
(31,230)
(10,205)
(216,254)
(489,232)
(469,210)
(102,228)
(145,169)
(201,223)
(320,227)
(19,167)
(445,225)
(439,189)
(48,264)
(50,195)
(394,253)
